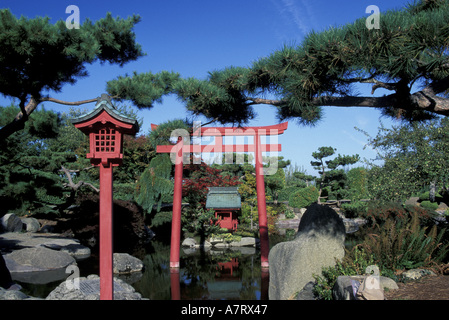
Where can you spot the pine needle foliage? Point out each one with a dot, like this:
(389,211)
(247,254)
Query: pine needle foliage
(409,50)
(38,56)
(154,183)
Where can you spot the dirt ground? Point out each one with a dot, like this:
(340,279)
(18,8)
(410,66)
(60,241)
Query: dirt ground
(426,288)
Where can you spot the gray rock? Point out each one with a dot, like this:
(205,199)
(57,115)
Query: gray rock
(345,287)
(69,246)
(214,240)
(12,295)
(125,263)
(307,292)
(412,201)
(11,223)
(244,242)
(221,245)
(31,224)
(415,274)
(89,289)
(248,242)
(38,259)
(189,242)
(319,241)
(38,265)
(12,241)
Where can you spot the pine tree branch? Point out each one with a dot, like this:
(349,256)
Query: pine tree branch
(78,185)
(264,101)
(26,110)
(426,99)
(68,103)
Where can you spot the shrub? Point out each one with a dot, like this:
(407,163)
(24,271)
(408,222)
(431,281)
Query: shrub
(304,197)
(429,205)
(406,244)
(380,211)
(355,209)
(425,196)
(284,194)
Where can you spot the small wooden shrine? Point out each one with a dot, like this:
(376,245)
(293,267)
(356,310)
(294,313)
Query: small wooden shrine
(226,202)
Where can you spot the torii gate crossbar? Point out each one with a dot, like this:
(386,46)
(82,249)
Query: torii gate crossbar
(179,149)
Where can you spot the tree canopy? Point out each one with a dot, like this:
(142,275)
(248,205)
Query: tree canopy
(407,53)
(413,158)
(38,57)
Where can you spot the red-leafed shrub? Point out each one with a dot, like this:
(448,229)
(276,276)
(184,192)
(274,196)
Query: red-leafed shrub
(198,178)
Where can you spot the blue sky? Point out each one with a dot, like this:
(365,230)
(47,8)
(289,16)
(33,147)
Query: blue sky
(193,37)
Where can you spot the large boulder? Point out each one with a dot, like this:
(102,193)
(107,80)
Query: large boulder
(11,223)
(38,265)
(31,224)
(318,243)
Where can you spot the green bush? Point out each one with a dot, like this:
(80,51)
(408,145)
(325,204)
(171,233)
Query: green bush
(286,192)
(425,196)
(354,209)
(304,197)
(429,205)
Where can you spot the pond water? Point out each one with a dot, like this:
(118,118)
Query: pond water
(203,275)
(231,274)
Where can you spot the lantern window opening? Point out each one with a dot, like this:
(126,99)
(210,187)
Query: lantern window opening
(105,140)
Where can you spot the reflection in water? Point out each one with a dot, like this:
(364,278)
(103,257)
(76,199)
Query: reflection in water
(226,274)
(203,275)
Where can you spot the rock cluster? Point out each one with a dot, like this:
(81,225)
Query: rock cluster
(88,288)
(12,223)
(220,243)
(40,258)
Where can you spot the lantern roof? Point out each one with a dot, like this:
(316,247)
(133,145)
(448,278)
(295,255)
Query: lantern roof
(223,198)
(104,105)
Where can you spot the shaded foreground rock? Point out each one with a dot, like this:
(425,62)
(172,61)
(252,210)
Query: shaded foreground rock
(14,241)
(15,295)
(319,241)
(89,289)
(38,265)
(11,223)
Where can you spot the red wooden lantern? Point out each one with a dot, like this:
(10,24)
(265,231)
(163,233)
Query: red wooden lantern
(105,128)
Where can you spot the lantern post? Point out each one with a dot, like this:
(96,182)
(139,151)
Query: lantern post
(105,127)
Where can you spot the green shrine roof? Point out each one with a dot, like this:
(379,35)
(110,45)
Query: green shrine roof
(104,103)
(223,198)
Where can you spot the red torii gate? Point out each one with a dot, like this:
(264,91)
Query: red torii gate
(180,148)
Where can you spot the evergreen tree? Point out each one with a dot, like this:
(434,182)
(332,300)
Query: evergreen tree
(29,168)
(39,57)
(408,50)
(332,178)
